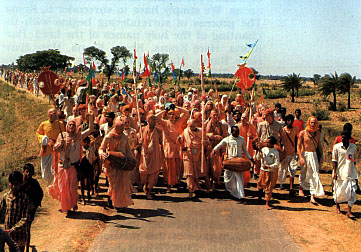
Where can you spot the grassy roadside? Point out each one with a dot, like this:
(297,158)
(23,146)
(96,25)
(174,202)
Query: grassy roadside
(20,115)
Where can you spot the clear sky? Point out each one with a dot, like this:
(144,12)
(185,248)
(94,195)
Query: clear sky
(307,37)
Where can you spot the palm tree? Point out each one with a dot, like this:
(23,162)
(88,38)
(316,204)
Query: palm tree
(316,78)
(329,84)
(291,83)
(346,83)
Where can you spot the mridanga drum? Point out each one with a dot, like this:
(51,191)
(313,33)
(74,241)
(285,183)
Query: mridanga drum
(237,164)
(122,163)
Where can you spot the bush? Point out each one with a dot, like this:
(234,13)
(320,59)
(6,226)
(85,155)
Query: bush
(330,106)
(306,92)
(341,107)
(275,94)
(321,114)
(343,119)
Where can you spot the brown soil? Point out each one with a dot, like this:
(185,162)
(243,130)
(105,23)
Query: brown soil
(53,230)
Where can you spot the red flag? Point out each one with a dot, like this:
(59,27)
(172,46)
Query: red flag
(148,54)
(93,66)
(145,73)
(93,81)
(135,54)
(146,70)
(145,62)
(260,99)
(209,59)
(182,62)
(171,63)
(84,59)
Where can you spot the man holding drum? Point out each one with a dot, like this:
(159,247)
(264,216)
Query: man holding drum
(235,148)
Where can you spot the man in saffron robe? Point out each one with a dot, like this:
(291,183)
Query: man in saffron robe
(192,158)
(47,133)
(152,141)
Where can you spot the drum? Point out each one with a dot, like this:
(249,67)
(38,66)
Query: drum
(237,164)
(125,163)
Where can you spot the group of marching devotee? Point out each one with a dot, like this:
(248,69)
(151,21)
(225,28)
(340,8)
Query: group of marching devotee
(135,134)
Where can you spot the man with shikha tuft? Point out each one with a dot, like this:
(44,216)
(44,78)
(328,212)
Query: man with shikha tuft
(309,142)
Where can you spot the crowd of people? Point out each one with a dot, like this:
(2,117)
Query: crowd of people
(162,133)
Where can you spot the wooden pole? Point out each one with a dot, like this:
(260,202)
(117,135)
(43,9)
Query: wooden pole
(203,118)
(139,122)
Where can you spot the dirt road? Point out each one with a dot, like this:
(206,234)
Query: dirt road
(173,223)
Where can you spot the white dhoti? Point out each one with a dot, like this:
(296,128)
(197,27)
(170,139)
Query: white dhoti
(310,175)
(289,164)
(46,171)
(234,183)
(345,191)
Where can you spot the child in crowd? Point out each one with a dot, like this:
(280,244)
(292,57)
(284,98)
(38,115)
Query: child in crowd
(269,161)
(86,175)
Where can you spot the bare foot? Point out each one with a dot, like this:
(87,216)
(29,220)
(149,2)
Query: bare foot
(301,193)
(268,207)
(168,189)
(313,201)
(350,215)
(338,210)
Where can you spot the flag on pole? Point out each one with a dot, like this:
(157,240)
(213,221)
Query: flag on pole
(252,46)
(84,59)
(182,62)
(146,70)
(91,78)
(172,65)
(209,59)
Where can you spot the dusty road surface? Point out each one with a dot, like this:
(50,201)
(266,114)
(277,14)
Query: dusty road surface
(171,222)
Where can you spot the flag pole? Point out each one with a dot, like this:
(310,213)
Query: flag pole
(137,107)
(203,111)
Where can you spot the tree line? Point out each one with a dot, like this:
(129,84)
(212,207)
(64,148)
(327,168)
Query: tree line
(330,84)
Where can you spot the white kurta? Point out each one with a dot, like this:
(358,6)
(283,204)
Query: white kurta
(344,189)
(234,180)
